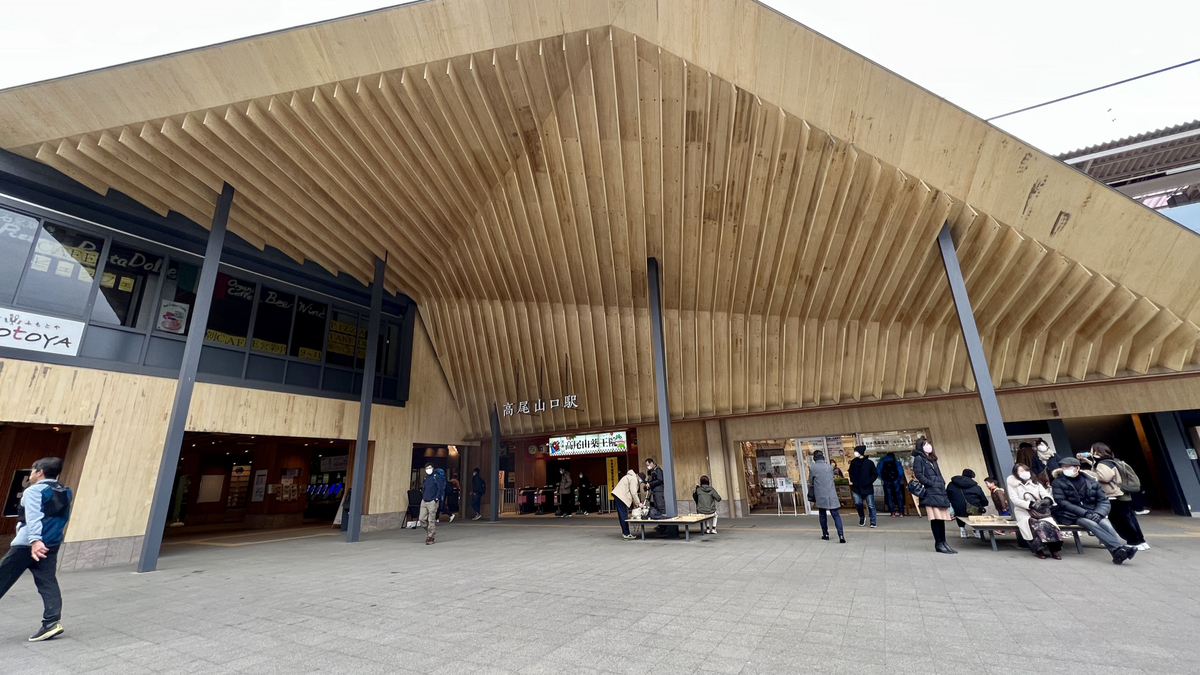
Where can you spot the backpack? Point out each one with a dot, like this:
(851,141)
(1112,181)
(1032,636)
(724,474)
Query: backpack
(1129,478)
(56,504)
(440,477)
(889,471)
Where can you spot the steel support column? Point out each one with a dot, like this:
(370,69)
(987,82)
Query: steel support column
(1001,453)
(363,444)
(660,384)
(496,486)
(177,422)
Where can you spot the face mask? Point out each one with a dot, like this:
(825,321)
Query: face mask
(1071,473)
(928,448)
(428,471)
(857,455)
(1042,447)
(1024,475)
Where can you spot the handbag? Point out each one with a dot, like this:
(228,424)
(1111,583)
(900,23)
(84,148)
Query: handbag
(916,488)
(1039,508)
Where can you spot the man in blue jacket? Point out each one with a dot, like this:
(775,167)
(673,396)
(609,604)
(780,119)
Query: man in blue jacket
(431,495)
(42,518)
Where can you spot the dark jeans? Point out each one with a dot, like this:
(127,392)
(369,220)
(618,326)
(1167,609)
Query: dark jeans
(16,561)
(1125,522)
(566,504)
(837,520)
(894,493)
(476,500)
(622,516)
(858,505)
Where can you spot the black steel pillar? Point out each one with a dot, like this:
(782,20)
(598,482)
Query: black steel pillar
(1001,453)
(660,384)
(362,444)
(177,422)
(496,486)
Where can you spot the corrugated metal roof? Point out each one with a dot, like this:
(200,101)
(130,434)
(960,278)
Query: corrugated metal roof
(1144,161)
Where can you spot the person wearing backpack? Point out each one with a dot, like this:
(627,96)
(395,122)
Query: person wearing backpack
(41,520)
(1111,473)
(892,475)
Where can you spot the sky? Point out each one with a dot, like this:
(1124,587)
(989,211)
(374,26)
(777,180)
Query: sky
(988,58)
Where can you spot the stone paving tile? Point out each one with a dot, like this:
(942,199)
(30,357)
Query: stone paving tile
(766,596)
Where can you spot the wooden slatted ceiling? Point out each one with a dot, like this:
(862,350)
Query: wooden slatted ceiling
(519,191)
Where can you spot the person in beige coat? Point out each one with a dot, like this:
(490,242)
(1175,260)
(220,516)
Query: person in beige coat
(1024,488)
(626,494)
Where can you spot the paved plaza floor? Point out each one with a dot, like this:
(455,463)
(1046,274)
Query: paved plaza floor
(765,595)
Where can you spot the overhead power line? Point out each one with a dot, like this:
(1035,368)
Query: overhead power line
(1089,91)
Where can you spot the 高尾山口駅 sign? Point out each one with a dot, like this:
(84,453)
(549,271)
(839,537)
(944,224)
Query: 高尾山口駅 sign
(39,333)
(568,402)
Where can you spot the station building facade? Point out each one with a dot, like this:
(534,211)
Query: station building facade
(509,182)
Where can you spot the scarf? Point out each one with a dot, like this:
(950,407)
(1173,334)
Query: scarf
(1045,455)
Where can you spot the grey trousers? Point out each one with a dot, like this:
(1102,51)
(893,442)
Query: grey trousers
(1103,531)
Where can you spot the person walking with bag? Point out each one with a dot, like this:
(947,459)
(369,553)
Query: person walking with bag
(930,488)
(41,519)
(626,497)
(1110,473)
(863,475)
(821,491)
(1032,506)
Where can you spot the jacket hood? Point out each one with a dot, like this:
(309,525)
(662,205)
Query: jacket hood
(704,488)
(963,482)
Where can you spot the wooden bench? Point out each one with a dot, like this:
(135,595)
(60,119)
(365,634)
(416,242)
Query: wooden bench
(686,520)
(992,525)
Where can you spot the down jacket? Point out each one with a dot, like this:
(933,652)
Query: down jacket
(928,473)
(1075,497)
(964,492)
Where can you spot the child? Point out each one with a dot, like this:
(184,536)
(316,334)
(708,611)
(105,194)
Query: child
(999,498)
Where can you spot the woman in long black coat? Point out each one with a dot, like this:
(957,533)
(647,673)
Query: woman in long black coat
(935,500)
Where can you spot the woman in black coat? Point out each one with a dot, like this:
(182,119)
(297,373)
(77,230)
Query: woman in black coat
(935,500)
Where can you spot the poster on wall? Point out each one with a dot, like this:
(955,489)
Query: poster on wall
(39,333)
(259,491)
(335,463)
(211,487)
(172,317)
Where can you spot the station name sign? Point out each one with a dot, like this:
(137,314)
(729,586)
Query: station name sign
(38,333)
(589,444)
(540,406)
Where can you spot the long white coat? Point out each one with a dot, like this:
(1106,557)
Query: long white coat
(1020,493)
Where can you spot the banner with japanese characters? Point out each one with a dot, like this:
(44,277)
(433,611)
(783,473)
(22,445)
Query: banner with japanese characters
(589,444)
(39,333)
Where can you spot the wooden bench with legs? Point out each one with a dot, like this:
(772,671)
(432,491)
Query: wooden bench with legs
(686,520)
(990,524)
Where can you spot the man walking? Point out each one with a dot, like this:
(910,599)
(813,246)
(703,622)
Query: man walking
(430,496)
(1079,500)
(862,484)
(478,488)
(42,517)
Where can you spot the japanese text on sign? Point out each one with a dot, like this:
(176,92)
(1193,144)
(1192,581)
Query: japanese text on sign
(539,406)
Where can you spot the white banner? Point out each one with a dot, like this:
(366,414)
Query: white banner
(38,333)
(588,444)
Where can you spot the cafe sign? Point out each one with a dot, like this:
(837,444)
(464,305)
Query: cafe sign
(589,444)
(39,333)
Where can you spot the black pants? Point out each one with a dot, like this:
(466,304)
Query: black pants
(622,516)
(16,561)
(476,502)
(1125,522)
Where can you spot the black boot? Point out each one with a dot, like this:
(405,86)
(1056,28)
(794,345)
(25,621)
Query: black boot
(943,547)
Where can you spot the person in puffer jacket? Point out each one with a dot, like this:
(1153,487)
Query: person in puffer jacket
(706,499)
(42,520)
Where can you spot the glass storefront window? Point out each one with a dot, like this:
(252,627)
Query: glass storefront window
(273,322)
(308,329)
(128,275)
(17,233)
(387,358)
(178,297)
(232,304)
(60,273)
(343,339)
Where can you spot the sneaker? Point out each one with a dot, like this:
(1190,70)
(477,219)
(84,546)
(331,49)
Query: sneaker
(452,517)
(428,540)
(47,632)
(1120,555)
(1143,512)
(713,531)
(862,522)
(477,517)
(825,536)
(628,536)
(962,533)
(873,526)
(1143,546)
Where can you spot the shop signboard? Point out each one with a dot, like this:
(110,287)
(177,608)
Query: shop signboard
(20,329)
(610,470)
(883,442)
(260,486)
(589,444)
(784,484)
(570,401)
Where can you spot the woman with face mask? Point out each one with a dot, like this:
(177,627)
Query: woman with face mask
(1036,525)
(935,500)
(1044,462)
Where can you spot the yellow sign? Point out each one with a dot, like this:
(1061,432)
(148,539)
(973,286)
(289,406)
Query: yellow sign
(265,346)
(310,354)
(610,466)
(224,338)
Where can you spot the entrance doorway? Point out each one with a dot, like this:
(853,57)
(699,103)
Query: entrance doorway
(233,481)
(23,444)
(773,475)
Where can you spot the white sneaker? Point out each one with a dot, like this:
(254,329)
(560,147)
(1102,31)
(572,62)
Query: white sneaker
(1143,512)
(962,533)
(1143,546)
(452,517)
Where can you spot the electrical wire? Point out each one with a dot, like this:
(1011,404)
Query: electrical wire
(1089,91)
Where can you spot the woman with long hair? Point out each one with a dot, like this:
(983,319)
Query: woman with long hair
(1032,506)
(935,500)
(1122,516)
